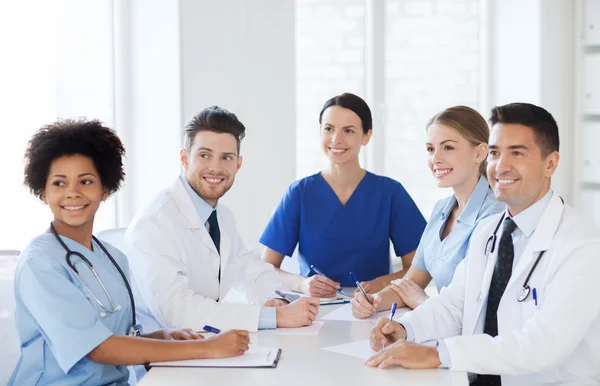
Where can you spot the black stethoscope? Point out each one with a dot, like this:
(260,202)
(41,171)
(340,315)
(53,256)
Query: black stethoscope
(135,329)
(490,246)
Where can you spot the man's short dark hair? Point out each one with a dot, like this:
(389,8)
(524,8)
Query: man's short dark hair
(537,118)
(70,137)
(215,119)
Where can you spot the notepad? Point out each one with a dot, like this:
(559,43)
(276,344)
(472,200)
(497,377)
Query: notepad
(254,357)
(339,299)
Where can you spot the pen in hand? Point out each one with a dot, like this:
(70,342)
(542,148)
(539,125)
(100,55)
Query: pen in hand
(211,329)
(392,312)
(360,287)
(320,273)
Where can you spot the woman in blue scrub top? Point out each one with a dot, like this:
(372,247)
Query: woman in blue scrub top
(72,331)
(343,218)
(457,149)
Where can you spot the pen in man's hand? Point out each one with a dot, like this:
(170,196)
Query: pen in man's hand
(392,312)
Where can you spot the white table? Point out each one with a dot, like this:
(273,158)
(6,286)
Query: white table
(303,362)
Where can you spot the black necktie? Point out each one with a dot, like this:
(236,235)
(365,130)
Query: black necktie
(214,231)
(500,278)
(215,234)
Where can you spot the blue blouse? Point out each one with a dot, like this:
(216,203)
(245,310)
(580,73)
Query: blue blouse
(339,239)
(440,257)
(59,322)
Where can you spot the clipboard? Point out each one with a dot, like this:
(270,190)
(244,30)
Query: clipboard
(255,357)
(339,299)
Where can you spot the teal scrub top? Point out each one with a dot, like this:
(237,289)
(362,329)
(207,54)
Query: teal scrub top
(58,320)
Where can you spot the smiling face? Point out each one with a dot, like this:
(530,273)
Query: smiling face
(73,191)
(518,172)
(211,164)
(342,135)
(452,159)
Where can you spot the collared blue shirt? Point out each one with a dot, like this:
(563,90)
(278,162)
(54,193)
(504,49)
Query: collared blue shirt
(57,318)
(268,315)
(440,257)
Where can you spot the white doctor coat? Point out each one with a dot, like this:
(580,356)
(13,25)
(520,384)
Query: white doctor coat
(175,266)
(555,342)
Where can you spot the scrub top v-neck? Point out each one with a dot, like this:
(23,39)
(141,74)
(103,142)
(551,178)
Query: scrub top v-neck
(341,238)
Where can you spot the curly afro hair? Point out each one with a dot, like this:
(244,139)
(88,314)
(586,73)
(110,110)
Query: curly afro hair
(70,137)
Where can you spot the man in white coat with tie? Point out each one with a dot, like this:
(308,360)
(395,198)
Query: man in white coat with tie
(522,308)
(184,249)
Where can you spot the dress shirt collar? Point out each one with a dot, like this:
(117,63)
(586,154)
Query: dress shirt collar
(528,219)
(469,214)
(202,207)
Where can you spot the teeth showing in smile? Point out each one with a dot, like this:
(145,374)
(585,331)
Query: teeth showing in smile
(213,180)
(337,150)
(442,172)
(506,181)
(74,207)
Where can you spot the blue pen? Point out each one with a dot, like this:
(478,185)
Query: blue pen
(392,313)
(318,272)
(211,329)
(360,287)
(535,296)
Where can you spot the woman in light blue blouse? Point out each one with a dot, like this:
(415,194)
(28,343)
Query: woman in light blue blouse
(457,148)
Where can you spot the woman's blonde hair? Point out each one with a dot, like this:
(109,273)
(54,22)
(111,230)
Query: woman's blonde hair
(468,122)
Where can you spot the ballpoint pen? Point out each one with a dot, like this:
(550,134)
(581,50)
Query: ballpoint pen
(318,272)
(392,312)
(360,287)
(211,329)
(535,298)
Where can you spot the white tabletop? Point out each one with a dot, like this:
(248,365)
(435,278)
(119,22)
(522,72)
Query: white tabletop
(303,362)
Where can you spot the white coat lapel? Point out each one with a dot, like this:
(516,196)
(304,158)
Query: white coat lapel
(540,241)
(476,268)
(188,212)
(226,240)
(487,271)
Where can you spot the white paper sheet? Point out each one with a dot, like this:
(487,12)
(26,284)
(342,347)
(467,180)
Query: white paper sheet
(313,330)
(345,313)
(360,349)
(254,357)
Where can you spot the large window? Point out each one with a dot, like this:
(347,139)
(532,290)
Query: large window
(429,59)
(57,63)
(330,43)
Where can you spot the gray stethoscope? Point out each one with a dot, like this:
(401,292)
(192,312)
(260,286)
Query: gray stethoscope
(136,329)
(490,246)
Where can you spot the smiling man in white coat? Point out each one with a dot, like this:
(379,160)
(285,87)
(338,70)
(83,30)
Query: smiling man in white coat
(522,308)
(184,249)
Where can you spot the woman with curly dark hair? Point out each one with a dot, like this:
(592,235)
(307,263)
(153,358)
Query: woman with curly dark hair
(74,306)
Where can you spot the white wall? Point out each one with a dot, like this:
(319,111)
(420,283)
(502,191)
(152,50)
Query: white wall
(239,54)
(532,60)
(148,98)
(187,55)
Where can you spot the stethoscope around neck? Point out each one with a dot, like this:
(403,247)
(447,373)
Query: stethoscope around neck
(490,246)
(135,329)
